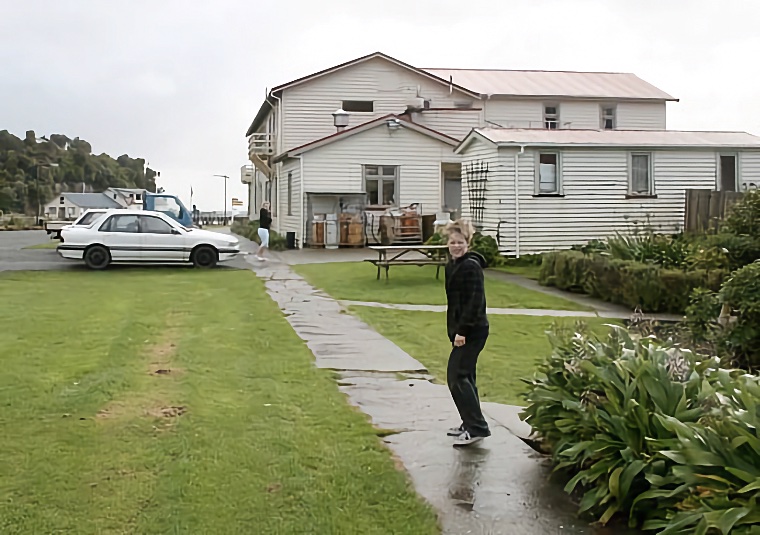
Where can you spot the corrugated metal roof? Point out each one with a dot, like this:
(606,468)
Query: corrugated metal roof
(553,83)
(623,138)
(91,200)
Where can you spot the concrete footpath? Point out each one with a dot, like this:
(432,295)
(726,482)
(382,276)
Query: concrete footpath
(501,486)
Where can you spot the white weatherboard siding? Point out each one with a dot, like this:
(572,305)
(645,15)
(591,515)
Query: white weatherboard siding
(513,113)
(594,206)
(308,107)
(453,123)
(640,116)
(290,222)
(580,115)
(499,190)
(337,167)
(750,170)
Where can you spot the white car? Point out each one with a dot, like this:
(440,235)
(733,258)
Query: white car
(131,236)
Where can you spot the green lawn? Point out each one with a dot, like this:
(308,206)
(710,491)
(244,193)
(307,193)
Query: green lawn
(356,281)
(239,432)
(516,345)
(47,245)
(529,272)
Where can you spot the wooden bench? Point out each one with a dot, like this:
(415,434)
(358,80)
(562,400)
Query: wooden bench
(426,255)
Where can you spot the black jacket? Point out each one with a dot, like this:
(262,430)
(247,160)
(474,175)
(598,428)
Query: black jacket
(466,296)
(265,220)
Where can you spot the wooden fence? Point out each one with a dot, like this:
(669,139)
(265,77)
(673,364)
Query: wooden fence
(705,209)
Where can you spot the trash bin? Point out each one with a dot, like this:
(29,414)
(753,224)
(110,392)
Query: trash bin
(290,239)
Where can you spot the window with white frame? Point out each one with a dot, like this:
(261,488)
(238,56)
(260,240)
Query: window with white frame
(548,174)
(641,180)
(381,184)
(608,117)
(551,116)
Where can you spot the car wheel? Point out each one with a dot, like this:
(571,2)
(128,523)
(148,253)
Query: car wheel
(205,257)
(97,257)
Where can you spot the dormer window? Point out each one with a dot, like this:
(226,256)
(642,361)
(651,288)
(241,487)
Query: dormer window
(358,106)
(608,117)
(551,116)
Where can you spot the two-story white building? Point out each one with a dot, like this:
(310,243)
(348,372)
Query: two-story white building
(537,159)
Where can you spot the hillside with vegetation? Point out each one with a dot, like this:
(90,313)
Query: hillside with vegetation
(27,178)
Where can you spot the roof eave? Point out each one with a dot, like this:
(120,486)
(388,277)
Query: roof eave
(517,144)
(266,106)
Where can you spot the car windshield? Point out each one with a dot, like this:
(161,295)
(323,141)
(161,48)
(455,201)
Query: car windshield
(89,218)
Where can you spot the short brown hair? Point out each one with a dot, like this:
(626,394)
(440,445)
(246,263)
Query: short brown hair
(460,226)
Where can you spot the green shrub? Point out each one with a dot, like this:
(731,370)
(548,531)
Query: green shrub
(250,230)
(650,431)
(701,315)
(741,293)
(626,282)
(743,218)
(740,250)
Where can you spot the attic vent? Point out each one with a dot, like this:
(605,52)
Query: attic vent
(463,105)
(426,105)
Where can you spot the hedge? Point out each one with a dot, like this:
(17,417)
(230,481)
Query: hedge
(626,282)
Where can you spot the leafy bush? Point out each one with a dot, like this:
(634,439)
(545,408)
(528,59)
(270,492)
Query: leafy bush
(701,314)
(626,282)
(744,217)
(250,230)
(651,431)
(740,250)
(741,293)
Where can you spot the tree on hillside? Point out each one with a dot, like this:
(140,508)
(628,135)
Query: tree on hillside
(26,179)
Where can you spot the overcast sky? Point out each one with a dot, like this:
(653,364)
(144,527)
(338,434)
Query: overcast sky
(178,82)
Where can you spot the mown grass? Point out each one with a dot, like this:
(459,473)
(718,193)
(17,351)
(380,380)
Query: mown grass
(516,345)
(179,401)
(356,281)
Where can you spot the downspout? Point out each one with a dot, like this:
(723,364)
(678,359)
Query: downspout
(517,200)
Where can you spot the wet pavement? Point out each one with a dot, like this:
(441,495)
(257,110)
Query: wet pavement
(15,257)
(500,486)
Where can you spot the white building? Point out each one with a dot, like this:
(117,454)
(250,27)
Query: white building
(404,124)
(70,205)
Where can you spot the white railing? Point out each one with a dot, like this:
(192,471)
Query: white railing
(261,143)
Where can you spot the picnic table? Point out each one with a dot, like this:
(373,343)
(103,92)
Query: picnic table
(409,255)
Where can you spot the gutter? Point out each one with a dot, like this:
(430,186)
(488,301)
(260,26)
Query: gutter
(302,205)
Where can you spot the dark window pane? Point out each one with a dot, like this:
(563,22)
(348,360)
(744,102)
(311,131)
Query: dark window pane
(360,106)
(640,172)
(389,171)
(389,191)
(371,170)
(154,225)
(372,192)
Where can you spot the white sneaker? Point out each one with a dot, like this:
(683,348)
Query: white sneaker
(466,439)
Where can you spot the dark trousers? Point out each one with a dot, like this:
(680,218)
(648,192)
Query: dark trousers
(460,377)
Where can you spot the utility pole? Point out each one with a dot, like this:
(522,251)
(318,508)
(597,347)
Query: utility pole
(225,177)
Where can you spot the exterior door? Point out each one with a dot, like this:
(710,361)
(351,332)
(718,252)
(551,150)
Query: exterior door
(160,241)
(120,233)
(728,172)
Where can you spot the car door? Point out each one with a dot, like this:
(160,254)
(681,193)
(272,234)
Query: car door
(161,241)
(121,234)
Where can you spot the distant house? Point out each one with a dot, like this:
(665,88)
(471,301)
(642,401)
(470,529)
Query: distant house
(594,152)
(69,205)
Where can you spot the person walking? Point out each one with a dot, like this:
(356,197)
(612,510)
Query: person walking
(467,328)
(265,221)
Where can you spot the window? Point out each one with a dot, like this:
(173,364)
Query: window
(63,199)
(608,117)
(154,225)
(641,174)
(168,206)
(89,217)
(463,105)
(548,174)
(380,183)
(138,197)
(290,193)
(120,223)
(358,106)
(551,116)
